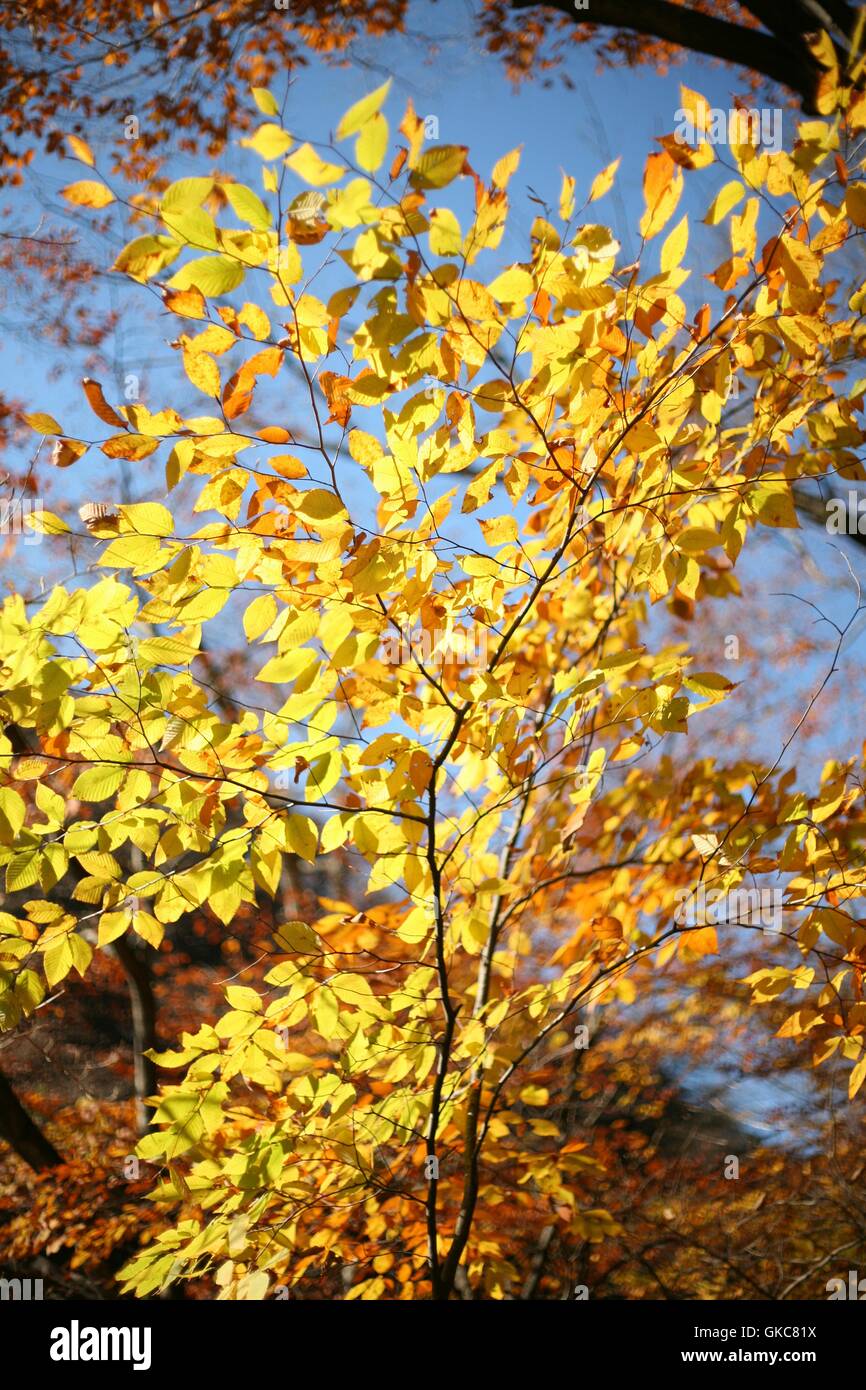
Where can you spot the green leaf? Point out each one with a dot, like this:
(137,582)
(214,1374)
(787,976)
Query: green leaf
(248,206)
(98,783)
(213,275)
(58,961)
(12,815)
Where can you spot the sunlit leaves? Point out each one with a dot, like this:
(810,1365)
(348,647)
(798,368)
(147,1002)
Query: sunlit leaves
(439,166)
(726,199)
(311,168)
(361,113)
(372,143)
(80,149)
(404,629)
(42,423)
(147,256)
(211,275)
(88,194)
(269,142)
(248,205)
(662,189)
(265,101)
(603,182)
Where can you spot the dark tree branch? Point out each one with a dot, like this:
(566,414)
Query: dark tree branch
(22,1134)
(779,55)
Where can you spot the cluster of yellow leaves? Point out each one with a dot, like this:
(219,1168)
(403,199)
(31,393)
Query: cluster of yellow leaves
(509,463)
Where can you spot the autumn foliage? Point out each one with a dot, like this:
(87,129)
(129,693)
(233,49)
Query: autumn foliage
(440,805)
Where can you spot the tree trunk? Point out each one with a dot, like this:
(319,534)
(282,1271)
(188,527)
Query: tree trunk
(22,1133)
(778,51)
(143,1028)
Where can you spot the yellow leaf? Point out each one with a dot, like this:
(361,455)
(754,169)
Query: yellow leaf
(857,1077)
(603,182)
(312,168)
(129,446)
(42,423)
(111,926)
(259,616)
(855,203)
(513,284)
(372,143)
(662,188)
(319,505)
(148,928)
(446,238)
(302,837)
(88,194)
(80,149)
(439,166)
(725,199)
(674,247)
(265,101)
(505,167)
(269,142)
(697,107)
(697,539)
(325,1012)
(203,372)
(566,197)
(360,113)
(148,518)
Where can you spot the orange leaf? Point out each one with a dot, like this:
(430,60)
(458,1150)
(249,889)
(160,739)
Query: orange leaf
(335,388)
(275,434)
(129,446)
(189,303)
(99,405)
(238,394)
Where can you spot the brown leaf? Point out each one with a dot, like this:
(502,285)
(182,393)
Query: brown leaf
(99,405)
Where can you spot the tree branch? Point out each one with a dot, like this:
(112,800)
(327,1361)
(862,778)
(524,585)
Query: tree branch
(700,33)
(22,1133)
